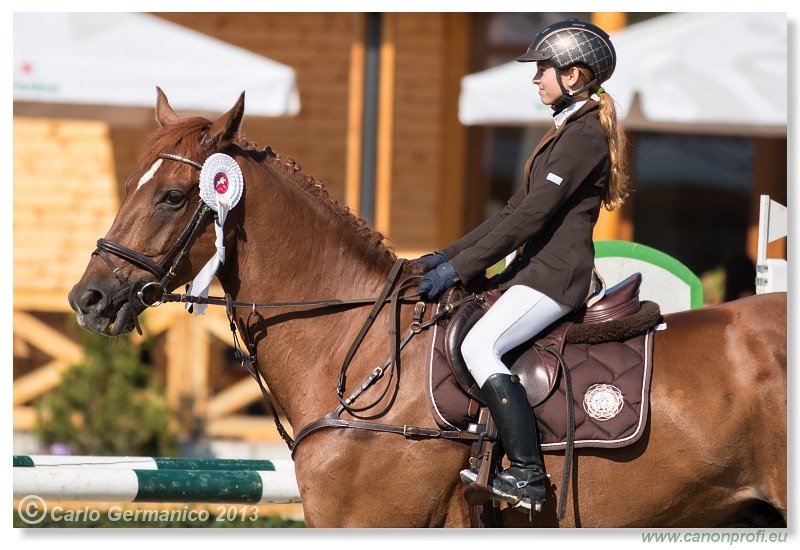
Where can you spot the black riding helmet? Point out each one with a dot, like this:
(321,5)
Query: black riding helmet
(571,42)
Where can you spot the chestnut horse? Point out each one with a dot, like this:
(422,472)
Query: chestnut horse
(714,452)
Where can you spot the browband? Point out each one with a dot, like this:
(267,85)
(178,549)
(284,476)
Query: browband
(190,162)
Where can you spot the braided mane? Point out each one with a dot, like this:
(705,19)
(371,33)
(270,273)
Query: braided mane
(186,136)
(316,188)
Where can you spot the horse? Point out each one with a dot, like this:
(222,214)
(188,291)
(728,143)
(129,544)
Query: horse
(714,452)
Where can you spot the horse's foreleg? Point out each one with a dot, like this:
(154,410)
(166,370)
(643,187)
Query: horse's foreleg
(351,478)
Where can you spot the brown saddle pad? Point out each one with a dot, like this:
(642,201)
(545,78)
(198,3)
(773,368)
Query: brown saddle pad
(610,387)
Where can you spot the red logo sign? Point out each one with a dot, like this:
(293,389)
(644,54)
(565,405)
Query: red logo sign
(221,182)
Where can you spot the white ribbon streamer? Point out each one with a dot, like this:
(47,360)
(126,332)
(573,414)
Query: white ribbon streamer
(221,186)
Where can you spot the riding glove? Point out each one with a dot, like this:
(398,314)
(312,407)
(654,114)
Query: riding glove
(430,261)
(436,281)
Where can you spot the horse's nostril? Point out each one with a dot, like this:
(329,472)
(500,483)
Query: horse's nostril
(90,299)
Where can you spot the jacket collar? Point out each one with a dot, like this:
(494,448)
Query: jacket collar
(587,107)
(561,117)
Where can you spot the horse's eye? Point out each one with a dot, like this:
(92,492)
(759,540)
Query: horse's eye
(174,198)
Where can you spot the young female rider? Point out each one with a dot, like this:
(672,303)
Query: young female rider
(577,167)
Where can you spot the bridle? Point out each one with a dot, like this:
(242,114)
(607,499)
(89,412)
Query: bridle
(149,294)
(154,293)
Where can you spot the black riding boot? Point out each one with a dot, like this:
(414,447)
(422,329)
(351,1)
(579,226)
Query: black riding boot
(523,483)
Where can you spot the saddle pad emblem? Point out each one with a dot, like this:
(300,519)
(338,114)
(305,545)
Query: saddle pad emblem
(602,402)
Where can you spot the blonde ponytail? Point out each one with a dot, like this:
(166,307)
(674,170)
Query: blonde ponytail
(617,190)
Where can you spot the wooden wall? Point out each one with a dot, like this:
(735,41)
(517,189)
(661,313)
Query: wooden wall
(429,141)
(64,200)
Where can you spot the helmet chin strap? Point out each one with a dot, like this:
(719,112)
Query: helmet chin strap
(567,97)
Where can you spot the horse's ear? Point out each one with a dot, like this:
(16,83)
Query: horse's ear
(164,113)
(226,128)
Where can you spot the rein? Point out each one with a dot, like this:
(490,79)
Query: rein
(152,294)
(333,419)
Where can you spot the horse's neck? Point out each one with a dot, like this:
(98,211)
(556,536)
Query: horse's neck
(292,248)
(302,247)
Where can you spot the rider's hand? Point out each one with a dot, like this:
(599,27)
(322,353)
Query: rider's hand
(436,281)
(429,261)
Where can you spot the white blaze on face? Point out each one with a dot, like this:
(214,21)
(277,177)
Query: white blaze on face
(147,176)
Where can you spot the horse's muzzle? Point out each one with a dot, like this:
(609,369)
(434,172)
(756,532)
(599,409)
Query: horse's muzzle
(103,308)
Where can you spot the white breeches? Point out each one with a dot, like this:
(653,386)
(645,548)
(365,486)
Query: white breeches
(519,315)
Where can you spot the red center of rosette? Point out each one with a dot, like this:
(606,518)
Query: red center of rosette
(221,183)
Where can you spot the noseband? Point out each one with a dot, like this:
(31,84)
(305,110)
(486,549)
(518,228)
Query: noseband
(150,293)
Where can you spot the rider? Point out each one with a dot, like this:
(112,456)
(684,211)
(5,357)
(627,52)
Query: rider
(578,166)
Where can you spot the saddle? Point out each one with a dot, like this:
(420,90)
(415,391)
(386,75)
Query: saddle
(608,344)
(619,316)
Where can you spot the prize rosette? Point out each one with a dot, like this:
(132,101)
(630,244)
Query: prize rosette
(221,186)
(221,182)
